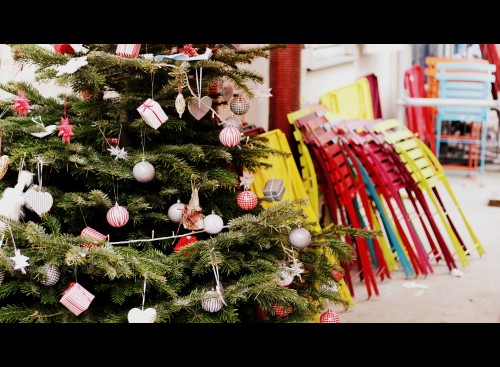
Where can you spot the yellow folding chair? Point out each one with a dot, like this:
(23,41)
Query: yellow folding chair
(428,174)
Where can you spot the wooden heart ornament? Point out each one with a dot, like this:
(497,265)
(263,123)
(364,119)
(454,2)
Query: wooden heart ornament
(137,316)
(38,201)
(199,107)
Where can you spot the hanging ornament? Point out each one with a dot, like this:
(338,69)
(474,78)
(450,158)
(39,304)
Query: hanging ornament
(50,274)
(175,211)
(21,103)
(130,51)
(2,276)
(138,316)
(246,180)
(189,50)
(337,275)
(225,90)
(230,136)
(92,233)
(261,91)
(192,216)
(117,216)
(13,198)
(299,238)
(144,171)
(47,130)
(239,105)
(4,161)
(281,311)
(152,113)
(184,241)
(182,56)
(20,261)
(63,49)
(141,315)
(330,286)
(329,317)
(115,141)
(213,223)
(199,107)
(66,130)
(234,122)
(76,298)
(247,200)
(180,104)
(212,301)
(37,200)
(285,276)
(274,189)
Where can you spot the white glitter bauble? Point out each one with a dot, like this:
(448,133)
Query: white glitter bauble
(235,122)
(299,238)
(51,274)
(213,223)
(175,211)
(285,278)
(212,301)
(330,286)
(144,171)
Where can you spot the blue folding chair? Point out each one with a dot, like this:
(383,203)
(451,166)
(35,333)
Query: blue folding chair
(468,81)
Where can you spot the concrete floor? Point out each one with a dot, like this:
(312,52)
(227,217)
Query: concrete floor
(473,297)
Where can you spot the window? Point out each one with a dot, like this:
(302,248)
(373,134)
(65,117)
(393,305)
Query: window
(323,55)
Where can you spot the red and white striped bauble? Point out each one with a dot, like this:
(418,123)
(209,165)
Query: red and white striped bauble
(247,200)
(329,317)
(92,233)
(239,105)
(51,274)
(117,216)
(230,136)
(280,311)
(212,301)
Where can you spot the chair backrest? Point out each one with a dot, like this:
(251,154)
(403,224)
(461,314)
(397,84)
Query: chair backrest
(462,80)
(353,101)
(491,53)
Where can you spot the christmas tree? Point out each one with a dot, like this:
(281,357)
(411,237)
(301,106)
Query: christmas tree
(122,199)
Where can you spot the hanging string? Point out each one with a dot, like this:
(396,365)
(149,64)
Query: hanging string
(83,216)
(12,237)
(198,85)
(65,110)
(39,173)
(115,189)
(144,292)
(143,143)
(215,269)
(152,83)
(4,111)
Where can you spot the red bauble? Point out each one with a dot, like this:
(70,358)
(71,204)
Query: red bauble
(117,216)
(280,311)
(63,49)
(184,241)
(247,200)
(329,317)
(337,275)
(230,136)
(239,105)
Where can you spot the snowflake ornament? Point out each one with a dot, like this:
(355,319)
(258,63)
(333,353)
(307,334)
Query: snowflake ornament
(20,261)
(246,180)
(21,103)
(65,130)
(118,153)
(261,91)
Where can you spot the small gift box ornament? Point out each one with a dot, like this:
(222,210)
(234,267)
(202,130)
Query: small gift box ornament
(130,51)
(76,298)
(274,189)
(92,233)
(152,113)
